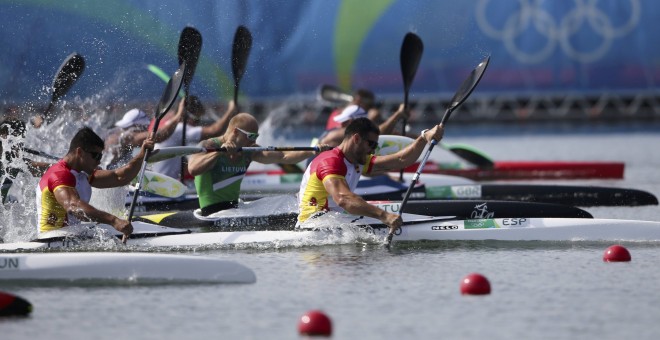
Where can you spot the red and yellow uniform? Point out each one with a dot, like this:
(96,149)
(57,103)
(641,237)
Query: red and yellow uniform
(330,164)
(50,214)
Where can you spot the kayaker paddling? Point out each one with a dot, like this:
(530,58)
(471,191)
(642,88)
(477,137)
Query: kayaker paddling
(65,189)
(331,178)
(218,175)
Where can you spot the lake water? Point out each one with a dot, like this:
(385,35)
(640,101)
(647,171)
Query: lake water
(540,290)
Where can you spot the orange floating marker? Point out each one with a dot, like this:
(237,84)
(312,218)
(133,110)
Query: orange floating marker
(475,284)
(315,323)
(617,253)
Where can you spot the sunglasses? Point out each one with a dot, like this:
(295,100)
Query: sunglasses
(250,135)
(372,144)
(95,155)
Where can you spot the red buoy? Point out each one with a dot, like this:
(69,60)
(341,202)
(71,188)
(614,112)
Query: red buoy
(475,284)
(12,305)
(616,253)
(315,323)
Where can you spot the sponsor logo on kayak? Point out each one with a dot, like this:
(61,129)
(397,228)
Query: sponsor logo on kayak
(444,227)
(480,224)
(10,263)
(481,211)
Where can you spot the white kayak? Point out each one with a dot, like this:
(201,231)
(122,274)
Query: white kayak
(341,229)
(130,267)
(289,183)
(433,229)
(101,235)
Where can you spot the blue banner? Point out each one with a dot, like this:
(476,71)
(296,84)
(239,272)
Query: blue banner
(582,46)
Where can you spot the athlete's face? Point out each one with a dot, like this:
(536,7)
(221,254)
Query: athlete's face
(366,146)
(92,158)
(247,137)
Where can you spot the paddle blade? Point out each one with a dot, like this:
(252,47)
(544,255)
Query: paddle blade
(240,51)
(190,45)
(466,88)
(162,185)
(169,95)
(70,70)
(411,53)
(471,155)
(333,94)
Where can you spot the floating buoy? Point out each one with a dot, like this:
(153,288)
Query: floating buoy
(12,305)
(475,284)
(315,323)
(616,253)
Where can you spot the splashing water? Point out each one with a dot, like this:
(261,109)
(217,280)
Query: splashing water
(18,216)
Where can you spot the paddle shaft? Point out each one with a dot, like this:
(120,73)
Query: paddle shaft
(268,148)
(460,96)
(39,153)
(178,151)
(166,101)
(141,175)
(413,182)
(415,178)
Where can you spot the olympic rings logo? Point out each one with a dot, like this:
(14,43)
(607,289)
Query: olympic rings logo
(531,21)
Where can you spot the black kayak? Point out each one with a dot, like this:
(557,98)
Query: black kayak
(460,209)
(384,188)
(575,195)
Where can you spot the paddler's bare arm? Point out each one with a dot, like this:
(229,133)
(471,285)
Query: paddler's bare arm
(163,132)
(356,205)
(125,174)
(333,137)
(203,162)
(407,155)
(68,198)
(220,126)
(36,168)
(387,126)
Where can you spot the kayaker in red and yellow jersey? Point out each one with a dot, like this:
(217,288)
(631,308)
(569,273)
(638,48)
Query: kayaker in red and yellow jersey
(331,178)
(65,189)
(218,175)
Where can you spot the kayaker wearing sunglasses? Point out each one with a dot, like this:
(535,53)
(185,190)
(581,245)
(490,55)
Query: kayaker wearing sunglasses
(65,189)
(218,175)
(331,178)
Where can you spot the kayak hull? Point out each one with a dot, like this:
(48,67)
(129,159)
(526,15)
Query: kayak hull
(342,229)
(255,215)
(532,170)
(582,196)
(385,188)
(436,229)
(130,267)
